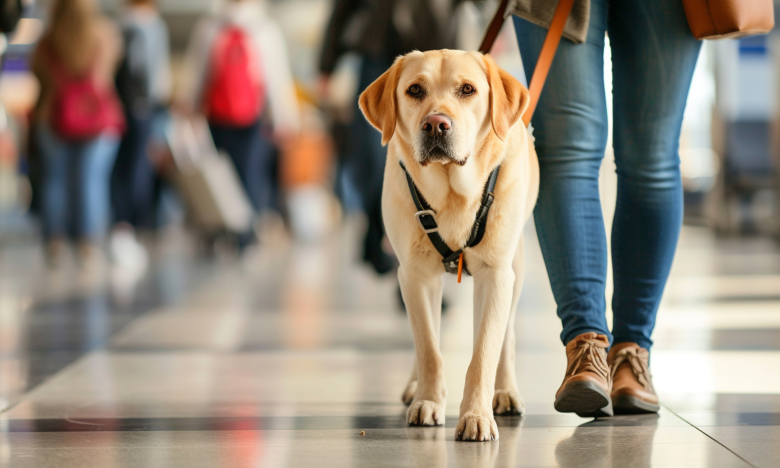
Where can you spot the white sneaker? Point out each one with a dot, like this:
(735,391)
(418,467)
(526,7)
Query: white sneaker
(126,251)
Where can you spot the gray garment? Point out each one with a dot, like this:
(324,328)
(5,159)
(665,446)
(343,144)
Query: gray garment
(385,29)
(540,12)
(155,53)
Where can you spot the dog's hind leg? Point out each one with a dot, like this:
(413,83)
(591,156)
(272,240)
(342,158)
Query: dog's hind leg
(507,399)
(421,291)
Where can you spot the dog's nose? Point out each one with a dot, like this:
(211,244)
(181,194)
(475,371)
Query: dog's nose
(436,124)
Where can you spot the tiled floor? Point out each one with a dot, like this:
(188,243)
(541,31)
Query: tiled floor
(283,359)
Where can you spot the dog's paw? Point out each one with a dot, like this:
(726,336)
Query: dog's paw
(425,413)
(408,395)
(508,402)
(476,427)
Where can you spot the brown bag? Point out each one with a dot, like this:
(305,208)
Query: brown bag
(721,19)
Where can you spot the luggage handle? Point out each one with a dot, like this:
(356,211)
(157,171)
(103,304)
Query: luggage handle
(190,142)
(551,41)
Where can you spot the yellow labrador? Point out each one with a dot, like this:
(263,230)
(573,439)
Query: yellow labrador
(450,118)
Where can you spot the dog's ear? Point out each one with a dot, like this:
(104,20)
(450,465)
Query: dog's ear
(378,101)
(508,98)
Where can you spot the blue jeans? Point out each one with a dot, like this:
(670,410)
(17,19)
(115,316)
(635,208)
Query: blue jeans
(133,177)
(76,178)
(653,57)
(252,156)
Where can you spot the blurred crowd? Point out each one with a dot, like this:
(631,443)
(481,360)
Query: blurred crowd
(125,137)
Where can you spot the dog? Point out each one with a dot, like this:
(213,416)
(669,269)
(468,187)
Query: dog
(449,119)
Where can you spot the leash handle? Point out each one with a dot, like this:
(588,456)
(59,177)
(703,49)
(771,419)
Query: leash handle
(543,64)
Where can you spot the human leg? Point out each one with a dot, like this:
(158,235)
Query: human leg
(56,159)
(367,163)
(95,159)
(242,145)
(653,55)
(132,193)
(267,184)
(143,179)
(570,128)
(132,177)
(651,81)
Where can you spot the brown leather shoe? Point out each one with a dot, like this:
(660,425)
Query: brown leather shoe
(585,389)
(632,384)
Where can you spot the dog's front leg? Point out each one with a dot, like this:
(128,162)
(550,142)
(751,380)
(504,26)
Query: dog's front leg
(411,386)
(492,301)
(421,292)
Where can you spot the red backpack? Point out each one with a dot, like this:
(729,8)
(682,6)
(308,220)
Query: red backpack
(82,107)
(235,93)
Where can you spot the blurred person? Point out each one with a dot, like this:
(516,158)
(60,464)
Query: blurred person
(143,82)
(240,73)
(78,124)
(10,13)
(653,58)
(379,31)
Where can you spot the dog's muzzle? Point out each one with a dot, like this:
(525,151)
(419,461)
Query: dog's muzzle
(436,140)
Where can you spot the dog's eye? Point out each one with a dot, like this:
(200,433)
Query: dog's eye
(467,89)
(415,90)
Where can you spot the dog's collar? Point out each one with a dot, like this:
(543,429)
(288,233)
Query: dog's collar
(426,216)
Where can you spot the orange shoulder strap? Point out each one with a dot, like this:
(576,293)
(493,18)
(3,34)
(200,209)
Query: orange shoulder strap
(547,54)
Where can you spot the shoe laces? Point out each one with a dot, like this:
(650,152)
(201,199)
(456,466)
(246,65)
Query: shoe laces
(638,366)
(590,356)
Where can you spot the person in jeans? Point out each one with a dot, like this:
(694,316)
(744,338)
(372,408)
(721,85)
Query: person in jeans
(372,29)
(78,42)
(144,85)
(653,58)
(251,151)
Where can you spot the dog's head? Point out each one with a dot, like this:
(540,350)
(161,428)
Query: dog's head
(443,104)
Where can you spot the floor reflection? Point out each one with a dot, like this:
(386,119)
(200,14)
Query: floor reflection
(612,442)
(429,447)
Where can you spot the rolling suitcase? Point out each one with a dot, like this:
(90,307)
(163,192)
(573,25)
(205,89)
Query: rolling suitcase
(207,180)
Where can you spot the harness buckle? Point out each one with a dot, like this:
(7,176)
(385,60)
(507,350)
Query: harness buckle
(427,220)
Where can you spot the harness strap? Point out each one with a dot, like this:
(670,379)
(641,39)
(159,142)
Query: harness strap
(478,231)
(426,216)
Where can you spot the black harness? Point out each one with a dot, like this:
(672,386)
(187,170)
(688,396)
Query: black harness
(426,216)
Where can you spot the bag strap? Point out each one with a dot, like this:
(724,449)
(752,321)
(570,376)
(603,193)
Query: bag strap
(554,34)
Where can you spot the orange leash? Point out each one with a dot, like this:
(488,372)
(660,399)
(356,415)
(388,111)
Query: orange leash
(543,64)
(547,54)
